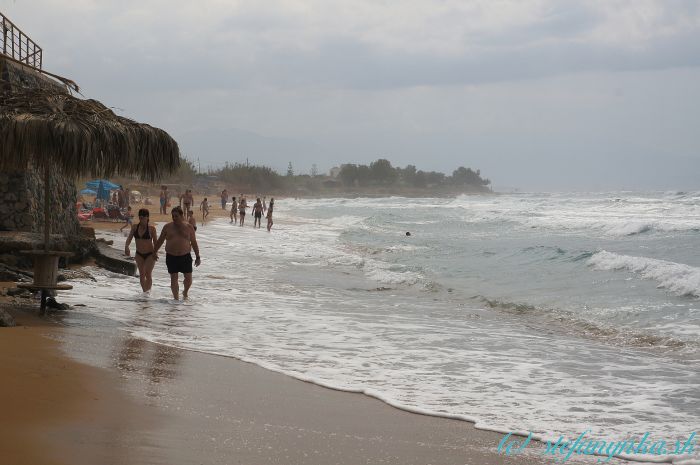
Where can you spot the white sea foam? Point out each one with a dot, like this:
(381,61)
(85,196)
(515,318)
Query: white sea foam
(681,279)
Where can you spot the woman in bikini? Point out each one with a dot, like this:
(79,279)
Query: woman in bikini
(145,237)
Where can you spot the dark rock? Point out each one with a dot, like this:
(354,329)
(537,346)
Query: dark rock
(64,275)
(6,319)
(17,291)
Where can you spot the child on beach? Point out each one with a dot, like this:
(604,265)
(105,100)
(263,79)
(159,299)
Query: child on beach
(204,207)
(191,219)
(129,219)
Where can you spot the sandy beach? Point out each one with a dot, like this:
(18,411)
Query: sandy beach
(84,392)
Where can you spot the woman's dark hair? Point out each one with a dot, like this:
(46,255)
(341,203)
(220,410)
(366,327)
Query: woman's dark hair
(144,212)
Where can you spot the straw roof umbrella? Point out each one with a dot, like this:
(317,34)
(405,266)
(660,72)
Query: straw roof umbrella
(55,131)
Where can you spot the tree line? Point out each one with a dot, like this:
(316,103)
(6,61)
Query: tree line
(379,175)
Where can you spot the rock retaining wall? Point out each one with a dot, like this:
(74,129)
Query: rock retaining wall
(22,203)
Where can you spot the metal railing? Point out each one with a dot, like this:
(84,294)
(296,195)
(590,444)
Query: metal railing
(15,44)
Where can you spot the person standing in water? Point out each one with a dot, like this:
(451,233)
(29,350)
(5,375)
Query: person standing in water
(224,199)
(269,214)
(234,210)
(187,201)
(257,213)
(180,238)
(241,209)
(145,237)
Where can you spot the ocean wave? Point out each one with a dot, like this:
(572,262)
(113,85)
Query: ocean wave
(570,322)
(682,280)
(629,229)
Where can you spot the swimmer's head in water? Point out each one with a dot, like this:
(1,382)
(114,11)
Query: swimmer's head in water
(408,233)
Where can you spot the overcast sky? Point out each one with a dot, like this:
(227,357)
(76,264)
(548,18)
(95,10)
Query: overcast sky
(538,94)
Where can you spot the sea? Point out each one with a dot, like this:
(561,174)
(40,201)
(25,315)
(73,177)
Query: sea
(552,313)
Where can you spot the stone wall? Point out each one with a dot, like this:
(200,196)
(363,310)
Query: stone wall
(22,203)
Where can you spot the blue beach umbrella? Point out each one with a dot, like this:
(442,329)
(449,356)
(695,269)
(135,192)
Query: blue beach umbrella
(88,192)
(102,186)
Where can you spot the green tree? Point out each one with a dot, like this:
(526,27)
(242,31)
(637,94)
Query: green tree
(364,175)
(382,172)
(348,174)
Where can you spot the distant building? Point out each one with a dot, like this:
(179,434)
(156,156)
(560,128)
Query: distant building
(334,172)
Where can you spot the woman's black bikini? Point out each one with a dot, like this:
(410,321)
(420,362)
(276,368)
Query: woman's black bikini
(147,236)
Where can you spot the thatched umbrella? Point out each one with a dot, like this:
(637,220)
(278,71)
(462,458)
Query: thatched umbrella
(55,131)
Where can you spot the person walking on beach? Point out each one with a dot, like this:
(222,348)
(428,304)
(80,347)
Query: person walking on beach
(187,201)
(269,214)
(163,200)
(234,210)
(257,212)
(145,237)
(180,238)
(264,205)
(241,209)
(204,208)
(224,199)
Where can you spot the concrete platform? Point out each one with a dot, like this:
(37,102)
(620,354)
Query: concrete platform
(113,260)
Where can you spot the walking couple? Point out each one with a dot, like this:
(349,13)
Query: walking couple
(179,237)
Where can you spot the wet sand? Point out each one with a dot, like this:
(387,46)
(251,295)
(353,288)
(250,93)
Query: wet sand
(81,391)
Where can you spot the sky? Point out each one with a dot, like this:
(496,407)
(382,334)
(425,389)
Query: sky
(540,95)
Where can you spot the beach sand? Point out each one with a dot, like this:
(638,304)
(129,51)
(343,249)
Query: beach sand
(78,390)
(84,392)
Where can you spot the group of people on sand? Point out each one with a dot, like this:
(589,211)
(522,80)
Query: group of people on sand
(180,239)
(238,209)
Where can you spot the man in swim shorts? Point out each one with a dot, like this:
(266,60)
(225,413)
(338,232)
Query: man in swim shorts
(180,239)
(187,201)
(257,212)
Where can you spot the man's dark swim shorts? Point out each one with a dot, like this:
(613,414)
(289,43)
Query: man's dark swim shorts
(178,263)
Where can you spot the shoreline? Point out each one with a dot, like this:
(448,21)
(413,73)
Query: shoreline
(75,341)
(120,396)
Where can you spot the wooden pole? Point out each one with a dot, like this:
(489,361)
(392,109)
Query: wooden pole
(47,222)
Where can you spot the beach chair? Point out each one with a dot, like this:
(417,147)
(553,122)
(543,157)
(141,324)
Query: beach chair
(99,214)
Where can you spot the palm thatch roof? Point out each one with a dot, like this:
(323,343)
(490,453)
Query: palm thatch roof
(79,137)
